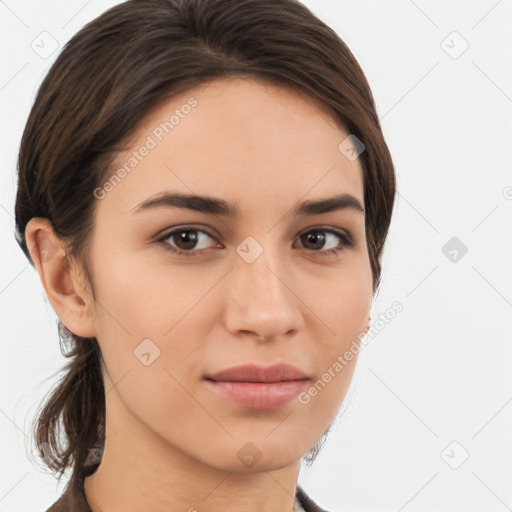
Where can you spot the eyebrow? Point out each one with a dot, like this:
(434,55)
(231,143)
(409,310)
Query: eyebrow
(215,206)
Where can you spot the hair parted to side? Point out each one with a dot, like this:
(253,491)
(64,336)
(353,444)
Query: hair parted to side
(106,79)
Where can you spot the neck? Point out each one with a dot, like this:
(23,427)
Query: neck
(142,471)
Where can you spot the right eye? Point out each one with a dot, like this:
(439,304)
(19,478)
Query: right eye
(184,241)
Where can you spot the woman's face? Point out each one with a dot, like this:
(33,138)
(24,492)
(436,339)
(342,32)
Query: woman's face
(256,286)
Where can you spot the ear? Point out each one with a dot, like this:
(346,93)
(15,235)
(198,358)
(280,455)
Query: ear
(62,280)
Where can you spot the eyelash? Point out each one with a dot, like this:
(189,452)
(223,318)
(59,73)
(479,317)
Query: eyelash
(346,241)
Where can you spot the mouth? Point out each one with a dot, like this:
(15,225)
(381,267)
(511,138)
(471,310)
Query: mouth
(258,387)
(258,395)
(256,373)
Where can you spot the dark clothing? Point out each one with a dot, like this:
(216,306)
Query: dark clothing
(73,497)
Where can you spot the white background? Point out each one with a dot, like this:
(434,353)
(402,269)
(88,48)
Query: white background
(441,370)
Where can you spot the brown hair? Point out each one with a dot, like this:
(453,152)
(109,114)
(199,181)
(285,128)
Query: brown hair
(106,79)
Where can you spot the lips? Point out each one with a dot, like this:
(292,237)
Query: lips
(256,373)
(258,387)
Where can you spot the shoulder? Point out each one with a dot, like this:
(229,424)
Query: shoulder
(58,506)
(306,502)
(63,504)
(73,497)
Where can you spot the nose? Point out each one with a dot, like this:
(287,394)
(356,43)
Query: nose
(261,302)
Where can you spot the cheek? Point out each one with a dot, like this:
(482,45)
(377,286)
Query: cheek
(344,302)
(145,299)
(147,327)
(149,309)
(343,306)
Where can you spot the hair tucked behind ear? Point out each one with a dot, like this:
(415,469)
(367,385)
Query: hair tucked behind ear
(107,79)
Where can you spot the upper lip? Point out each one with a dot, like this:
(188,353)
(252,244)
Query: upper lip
(255,373)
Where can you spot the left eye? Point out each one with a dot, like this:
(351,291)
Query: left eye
(320,236)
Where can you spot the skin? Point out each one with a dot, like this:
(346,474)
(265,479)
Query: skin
(171,443)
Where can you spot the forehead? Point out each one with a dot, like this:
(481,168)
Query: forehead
(244,140)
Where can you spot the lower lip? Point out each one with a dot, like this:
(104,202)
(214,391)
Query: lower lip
(259,395)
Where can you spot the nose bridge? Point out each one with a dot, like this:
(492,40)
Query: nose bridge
(261,300)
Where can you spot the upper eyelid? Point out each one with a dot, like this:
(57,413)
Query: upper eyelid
(176,229)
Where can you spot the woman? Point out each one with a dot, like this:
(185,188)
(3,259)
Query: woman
(205,192)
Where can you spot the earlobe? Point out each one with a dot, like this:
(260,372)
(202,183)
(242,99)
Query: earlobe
(65,290)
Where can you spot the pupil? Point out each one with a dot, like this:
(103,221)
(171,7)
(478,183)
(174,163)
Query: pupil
(315,237)
(189,240)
